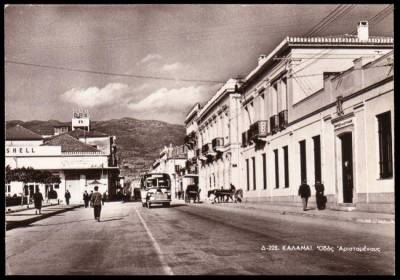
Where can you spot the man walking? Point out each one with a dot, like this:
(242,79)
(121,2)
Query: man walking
(86,199)
(67,196)
(37,200)
(304,193)
(96,202)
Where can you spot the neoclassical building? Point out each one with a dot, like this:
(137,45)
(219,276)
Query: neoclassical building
(314,109)
(218,139)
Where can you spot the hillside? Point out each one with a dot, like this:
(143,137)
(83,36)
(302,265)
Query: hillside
(139,141)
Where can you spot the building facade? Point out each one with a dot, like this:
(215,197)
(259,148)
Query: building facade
(218,139)
(173,162)
(191,137)
(314,109)
(81,163)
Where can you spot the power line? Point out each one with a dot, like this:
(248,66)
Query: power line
(341,14)
(154,37)
(109,73)
(339,11)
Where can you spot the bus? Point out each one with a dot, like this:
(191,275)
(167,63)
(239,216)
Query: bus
(155,188)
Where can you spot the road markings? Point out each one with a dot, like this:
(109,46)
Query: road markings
(167,269)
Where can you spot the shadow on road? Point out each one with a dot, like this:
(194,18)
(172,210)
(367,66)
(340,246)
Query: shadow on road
(109,220)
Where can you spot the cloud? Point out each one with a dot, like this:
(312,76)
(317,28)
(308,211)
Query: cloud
(150,57)
(171,99)
(112,93)
(172,67)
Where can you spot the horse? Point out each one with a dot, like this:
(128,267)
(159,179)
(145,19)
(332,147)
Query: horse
(217,195)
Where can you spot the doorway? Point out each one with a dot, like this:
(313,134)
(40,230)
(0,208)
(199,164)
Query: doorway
(347,167)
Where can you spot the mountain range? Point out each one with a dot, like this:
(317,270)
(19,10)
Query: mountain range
(138,141)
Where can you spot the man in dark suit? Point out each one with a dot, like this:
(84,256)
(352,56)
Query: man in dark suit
(304,193)
(96,201)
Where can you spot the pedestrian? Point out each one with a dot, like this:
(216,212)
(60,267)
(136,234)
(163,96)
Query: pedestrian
(86,199)
(90,198)
(37,200)
(104,198)
(67,196)
(304,193)
(319,195)
(96,203)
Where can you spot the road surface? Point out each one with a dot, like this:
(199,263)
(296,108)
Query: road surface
(196,239)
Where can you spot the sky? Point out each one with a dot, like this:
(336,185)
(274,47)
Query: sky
(182,54)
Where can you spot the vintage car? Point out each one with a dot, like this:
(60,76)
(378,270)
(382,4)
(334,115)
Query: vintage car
(155,188)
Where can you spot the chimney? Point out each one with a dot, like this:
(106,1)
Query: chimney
(362,31)
(261,58)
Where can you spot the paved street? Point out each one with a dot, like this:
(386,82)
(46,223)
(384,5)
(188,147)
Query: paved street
(194,239)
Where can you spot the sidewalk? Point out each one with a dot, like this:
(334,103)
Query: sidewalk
(351,216)
(25,216)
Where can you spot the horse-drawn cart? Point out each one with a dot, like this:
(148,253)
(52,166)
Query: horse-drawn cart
(192,193)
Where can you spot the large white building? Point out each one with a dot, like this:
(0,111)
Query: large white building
(218,139)
(314,109)
(81,159)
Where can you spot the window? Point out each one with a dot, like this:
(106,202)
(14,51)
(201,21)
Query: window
(317,158)
(214,179)
(274,98)
(264,160)
(303,164)
(385,145)
(276,169)
(262,107)
(253,159)
(286,165)
(248,174)
(284,94)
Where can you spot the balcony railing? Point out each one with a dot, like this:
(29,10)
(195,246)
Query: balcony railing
(207,149)
(217,143)
(259,130)
(283,119)
(274,124)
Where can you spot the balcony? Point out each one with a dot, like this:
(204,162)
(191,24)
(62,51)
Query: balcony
(207,150)
(283,119)
(190,140)
(259,130)
(274,124)
(217,143)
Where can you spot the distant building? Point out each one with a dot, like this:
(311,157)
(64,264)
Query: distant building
(172,161)
(82,159)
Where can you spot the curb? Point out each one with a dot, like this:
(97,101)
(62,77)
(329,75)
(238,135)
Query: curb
(330,217)
(14,224)
(23,209)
